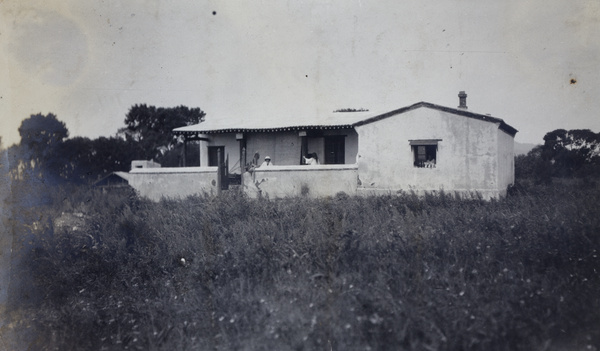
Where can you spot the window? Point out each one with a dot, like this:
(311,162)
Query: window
(425,152)
(214,157)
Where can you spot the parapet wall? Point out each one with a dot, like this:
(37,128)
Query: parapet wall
(274,182)
(157,183)
(312,181)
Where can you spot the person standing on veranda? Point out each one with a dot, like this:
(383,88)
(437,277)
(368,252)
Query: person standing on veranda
(267,162)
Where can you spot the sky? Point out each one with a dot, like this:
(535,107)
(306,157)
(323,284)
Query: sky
(533,63)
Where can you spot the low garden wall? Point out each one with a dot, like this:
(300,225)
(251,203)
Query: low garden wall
(312,181)
(274,182)
(180,182)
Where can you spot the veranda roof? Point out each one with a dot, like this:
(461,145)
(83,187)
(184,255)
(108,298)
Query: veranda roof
(335,120)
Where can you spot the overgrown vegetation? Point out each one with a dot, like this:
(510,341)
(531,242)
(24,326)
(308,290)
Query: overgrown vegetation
(342,273)
(564,154)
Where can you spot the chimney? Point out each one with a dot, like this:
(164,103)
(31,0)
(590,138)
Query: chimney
(462,100)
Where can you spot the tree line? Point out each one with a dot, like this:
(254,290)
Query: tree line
(564,154)
(46,153)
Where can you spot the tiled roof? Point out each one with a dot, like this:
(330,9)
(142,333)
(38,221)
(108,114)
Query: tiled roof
(335,120)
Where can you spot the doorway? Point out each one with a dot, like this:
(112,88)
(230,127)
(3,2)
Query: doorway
(335,149)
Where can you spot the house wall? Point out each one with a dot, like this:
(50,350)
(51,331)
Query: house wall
(466,157)
(156,183)
(351,144)
(317,144)
(283,147)
(313,181)
(506,161)
(351,147)
(232,149)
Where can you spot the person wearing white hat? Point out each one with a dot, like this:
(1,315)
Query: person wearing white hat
(267,162)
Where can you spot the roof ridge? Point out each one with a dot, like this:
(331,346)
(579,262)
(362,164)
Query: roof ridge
(463,112)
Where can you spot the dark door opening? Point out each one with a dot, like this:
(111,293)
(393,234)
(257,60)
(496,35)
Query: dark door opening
(335,149)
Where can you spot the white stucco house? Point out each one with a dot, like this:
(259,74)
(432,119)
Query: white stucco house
(419,148)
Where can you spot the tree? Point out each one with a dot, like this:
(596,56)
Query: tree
(532,166)
(571,152)
(113,154)
(81,160)
(40,136)
(152,127)
(71,160)
(39,132)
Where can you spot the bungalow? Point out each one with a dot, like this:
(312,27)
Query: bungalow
(422,148)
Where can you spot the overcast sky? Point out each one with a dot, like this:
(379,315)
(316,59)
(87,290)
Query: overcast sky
(534,64)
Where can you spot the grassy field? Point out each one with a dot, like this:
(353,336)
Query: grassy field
(114,272)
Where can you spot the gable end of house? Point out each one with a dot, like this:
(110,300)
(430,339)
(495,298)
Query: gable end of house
(461,112)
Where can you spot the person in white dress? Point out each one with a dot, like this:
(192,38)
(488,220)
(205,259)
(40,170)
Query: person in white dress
(312,160)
